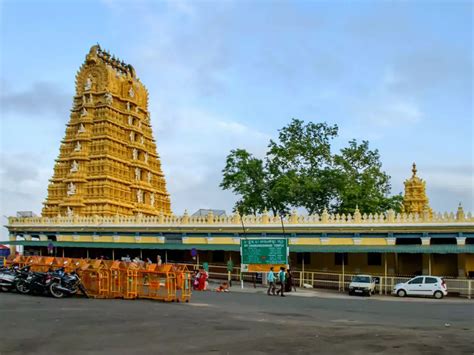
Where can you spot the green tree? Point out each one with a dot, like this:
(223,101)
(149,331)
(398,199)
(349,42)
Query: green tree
(299,170)
(302,158)
(244,175)
(361,181)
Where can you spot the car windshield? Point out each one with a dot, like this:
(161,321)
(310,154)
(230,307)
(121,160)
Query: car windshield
(361,279)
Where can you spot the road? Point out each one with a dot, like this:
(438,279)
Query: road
(234,323)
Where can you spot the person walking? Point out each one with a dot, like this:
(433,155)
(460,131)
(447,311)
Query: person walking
(289,286)
(271,282)
(282,278)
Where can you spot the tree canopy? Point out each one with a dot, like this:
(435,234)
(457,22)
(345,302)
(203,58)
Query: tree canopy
(300,170)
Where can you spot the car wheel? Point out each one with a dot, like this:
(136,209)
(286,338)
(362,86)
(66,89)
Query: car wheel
(438,295)
(401,293)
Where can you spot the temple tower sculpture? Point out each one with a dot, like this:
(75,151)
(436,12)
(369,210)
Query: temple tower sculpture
(108,162)
(415,199)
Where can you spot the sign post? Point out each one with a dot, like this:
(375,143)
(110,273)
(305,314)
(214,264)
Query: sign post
(259,254)
(230,268)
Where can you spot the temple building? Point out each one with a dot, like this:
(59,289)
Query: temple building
(415,199)
(108,163)
(108,198)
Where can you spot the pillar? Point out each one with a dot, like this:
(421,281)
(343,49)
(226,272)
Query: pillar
(462,260)
(426,264)
(425,240)
(12,238)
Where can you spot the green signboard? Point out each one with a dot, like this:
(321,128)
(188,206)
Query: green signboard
(267,251)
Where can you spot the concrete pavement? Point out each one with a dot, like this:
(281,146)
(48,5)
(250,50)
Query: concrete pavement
(233,323)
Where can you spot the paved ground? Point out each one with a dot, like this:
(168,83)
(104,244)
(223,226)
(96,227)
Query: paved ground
(246,322)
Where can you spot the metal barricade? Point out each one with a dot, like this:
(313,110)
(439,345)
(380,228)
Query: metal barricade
(96,279)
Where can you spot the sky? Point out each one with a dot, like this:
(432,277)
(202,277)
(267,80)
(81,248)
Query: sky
(228,74)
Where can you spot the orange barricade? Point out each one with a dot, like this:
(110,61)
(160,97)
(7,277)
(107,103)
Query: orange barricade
(19,260)
(96,279)
(157,283)
(186,286)
(117,273)
(119,279)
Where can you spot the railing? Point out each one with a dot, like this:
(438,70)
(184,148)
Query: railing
(389,217)
(334,281)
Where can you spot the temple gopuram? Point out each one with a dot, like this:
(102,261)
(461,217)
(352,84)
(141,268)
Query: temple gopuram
(415,199)
(108,164)
(108,198)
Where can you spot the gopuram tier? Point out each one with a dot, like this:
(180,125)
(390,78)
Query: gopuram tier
(108,162)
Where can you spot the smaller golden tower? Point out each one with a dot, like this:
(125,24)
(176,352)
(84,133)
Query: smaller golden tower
(415,200)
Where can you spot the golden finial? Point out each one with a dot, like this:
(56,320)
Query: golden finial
(414,170)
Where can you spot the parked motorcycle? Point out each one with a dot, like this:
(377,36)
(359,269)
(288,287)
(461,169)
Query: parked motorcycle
(35,283)
(10,276)
(66,284)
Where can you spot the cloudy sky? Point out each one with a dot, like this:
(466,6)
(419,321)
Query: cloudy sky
(225,74)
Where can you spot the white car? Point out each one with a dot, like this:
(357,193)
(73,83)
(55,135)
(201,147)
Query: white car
(362,285)
(422,286)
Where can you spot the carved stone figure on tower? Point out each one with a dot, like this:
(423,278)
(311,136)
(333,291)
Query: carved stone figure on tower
(135,154)
(88,84)
(81,129)
(130,120)
(132,136)
(78,147)
(108,98)
(142,140)
(131,92)
(69,212)
(128,106)
(146,157)
(74,167)
(83,112)
(139,196)
(71,189)
(138,174)
(152,199)
(148,178)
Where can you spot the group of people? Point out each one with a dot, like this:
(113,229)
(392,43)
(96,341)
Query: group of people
(284,279)
(200,278)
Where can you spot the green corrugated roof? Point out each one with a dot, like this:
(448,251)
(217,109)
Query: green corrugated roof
(169,246)
(413,249)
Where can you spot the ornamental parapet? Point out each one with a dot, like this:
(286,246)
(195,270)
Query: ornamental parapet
(388,218)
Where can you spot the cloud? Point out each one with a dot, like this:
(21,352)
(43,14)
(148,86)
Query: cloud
(432,70)
(193,145)
(390,111)
(40,99)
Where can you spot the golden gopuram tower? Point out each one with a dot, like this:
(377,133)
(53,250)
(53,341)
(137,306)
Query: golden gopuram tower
(415,199)
(108,162)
